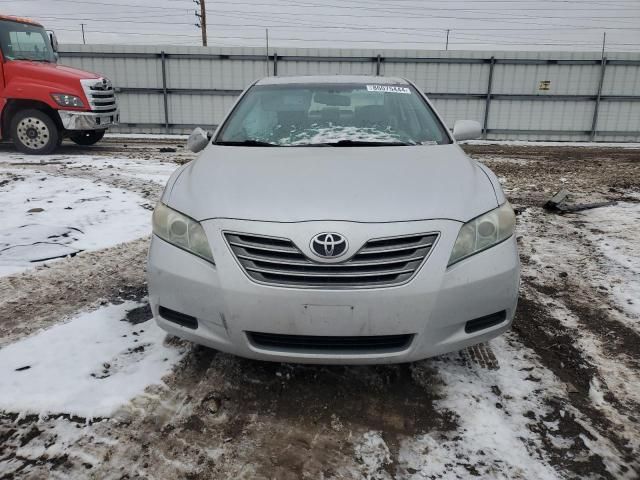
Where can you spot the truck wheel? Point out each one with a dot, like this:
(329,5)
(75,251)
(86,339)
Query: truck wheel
(87,137)
(34,132)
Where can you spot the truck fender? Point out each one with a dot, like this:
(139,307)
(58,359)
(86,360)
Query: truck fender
(13,105)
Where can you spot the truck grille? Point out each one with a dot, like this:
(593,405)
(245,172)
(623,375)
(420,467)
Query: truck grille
(100,94)
(333,344)
(381,262)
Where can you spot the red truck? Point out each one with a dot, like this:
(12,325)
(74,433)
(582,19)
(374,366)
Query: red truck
(42,102)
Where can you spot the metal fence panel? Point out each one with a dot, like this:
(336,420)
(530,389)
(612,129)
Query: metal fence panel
(619,116)
(537,115)
(141,107)
(514,95)
(442,77)
(459,109)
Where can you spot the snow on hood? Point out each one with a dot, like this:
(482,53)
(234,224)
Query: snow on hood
(364,184)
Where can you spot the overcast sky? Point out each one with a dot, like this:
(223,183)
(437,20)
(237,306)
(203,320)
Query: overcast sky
(406,24)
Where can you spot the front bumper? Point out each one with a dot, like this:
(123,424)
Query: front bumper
(75,120)
(433,307)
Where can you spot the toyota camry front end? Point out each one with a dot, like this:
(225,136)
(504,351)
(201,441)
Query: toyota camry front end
(334,220)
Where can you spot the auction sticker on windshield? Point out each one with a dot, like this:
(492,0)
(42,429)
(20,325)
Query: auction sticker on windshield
(388,89)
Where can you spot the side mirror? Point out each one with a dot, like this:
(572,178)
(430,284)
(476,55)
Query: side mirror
(197,140)
(54,40)
(466,130)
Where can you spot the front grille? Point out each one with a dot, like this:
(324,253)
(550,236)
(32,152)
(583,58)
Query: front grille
(380,262)
(306,343)
(100,94)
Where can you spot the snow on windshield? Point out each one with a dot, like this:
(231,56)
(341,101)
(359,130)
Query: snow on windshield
(335,133)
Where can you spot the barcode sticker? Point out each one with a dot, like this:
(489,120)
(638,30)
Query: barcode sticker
(388,89)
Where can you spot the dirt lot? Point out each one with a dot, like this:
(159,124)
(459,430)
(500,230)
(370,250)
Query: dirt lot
(557,397)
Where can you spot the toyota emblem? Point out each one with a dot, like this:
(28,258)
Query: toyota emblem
(329,245)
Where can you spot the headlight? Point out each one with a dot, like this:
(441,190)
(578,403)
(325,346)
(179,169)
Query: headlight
(484,232)
(181,231)
(65,100)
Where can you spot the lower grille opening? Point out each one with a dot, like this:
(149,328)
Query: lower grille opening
(487,321)
(315,343)
(179,318)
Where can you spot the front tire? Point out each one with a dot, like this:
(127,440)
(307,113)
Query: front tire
(34,132)
(87,137)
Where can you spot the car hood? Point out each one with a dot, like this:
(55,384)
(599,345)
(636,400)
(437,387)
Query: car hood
(360,184)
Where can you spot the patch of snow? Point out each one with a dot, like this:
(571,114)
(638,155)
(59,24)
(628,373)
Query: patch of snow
(331,134)
(58,435)
(595,392)
(372,452)
(44,216)
(531,143)
(147,136)
(139,168)
(492,409)
(87,367)
(615,231)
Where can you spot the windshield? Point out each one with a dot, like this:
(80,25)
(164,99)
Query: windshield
(21,41)
(332,114)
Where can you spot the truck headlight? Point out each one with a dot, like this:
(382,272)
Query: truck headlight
(66,100)
(181,231)
(484,232)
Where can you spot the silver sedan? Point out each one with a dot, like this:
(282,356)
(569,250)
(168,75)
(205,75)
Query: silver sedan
(334,220)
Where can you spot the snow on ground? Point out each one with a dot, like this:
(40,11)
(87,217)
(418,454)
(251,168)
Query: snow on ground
(528,143)
(138,168)
(500,414)
(46,216)
(147,136)
(615,231)
(605,253)
(496,435)
(87,367)
(148,170)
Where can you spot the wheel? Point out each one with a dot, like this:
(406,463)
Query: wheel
(87,137)
(34,132)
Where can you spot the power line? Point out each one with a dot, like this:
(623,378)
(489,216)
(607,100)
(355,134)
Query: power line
(261,38)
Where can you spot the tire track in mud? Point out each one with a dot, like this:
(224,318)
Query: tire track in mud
(567,348)
(555,347)
(271,420)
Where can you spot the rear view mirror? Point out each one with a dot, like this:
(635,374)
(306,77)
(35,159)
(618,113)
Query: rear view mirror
(466,130)
(197,140)
(332,99)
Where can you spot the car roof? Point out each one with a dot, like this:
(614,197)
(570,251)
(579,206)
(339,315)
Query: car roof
(333,79)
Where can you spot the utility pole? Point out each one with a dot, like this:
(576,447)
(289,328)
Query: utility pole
(604,41)
(446,47)
(202,18)
(266,37)
(83,40)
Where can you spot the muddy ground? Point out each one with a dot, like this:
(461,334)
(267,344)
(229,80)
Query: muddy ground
(557,397)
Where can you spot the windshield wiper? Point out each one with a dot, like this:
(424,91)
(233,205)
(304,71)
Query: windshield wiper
(362,143)
(247,143)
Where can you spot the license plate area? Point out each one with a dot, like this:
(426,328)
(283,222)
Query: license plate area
(326,317)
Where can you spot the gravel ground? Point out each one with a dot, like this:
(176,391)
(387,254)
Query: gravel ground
(556,397)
